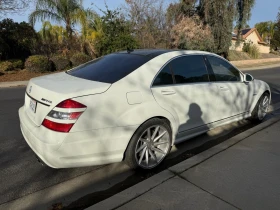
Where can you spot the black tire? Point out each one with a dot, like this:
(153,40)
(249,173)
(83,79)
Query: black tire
(255,116)
(130,154)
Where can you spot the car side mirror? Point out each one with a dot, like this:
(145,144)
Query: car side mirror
(248,78)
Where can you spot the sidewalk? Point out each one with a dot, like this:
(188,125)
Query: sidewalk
(240,173)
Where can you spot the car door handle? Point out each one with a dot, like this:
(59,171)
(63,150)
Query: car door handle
(224,88)
(168,92)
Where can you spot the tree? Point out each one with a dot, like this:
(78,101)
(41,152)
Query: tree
(148,20)
(191,34)
(183,8)
(69,12)
(17,40)
(116,34)
(244,8)
(275,42)
(219,15)
(266,29)
(12,6)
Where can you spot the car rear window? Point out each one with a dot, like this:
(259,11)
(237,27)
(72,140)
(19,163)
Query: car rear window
(109,68)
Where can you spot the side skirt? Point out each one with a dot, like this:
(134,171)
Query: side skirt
(185,135)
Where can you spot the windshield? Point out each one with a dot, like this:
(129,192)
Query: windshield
(110,68)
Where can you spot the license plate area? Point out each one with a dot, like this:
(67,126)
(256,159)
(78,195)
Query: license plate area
(33,105)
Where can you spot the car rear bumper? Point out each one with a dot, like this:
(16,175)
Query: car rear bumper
(77,149)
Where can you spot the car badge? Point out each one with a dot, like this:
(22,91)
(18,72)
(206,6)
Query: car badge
(30,89)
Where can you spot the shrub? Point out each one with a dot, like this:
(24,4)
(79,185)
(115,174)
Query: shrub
(251,49)
(79,58)
(39,63)
(6,66)
(17,64)
(60,62)
(192,34)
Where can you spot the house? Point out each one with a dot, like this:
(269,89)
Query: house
(250,35)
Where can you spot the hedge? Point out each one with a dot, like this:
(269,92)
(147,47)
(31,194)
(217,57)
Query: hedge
(39,63)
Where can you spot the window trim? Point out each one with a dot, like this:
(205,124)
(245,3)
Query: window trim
(172,72)
(212,71)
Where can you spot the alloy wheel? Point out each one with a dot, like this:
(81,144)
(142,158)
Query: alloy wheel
(263,107)
(152,146)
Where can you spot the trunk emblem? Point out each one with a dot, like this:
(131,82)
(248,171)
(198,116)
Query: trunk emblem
(30,89)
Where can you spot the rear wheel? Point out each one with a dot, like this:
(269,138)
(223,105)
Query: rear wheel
(149,145)
(261,108)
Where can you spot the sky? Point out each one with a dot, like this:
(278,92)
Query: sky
(264,10)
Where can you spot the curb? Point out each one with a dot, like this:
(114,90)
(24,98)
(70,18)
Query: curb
(13,84)
(137,190)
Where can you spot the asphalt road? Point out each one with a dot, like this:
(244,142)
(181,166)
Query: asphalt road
(21,174)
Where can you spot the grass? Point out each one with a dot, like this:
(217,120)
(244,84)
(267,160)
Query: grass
(237,56)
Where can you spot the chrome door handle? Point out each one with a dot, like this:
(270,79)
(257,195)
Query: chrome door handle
(168,92)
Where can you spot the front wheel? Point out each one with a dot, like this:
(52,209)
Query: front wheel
(149,145)
(261,108)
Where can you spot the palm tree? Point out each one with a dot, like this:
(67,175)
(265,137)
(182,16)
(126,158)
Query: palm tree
(69,12)
(52,33)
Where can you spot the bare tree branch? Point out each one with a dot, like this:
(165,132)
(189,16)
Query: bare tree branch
(12,6)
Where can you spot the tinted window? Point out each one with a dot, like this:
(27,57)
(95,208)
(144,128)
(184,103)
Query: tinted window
(109,68)
(223,70)
(164,77)
(189,69)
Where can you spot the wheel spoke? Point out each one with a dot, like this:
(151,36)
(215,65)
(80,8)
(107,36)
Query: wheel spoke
(149,134)
(161,135)
(155,133)
(265,100)
(158,150)
(160,142)
(142,155)
(140,148)
(143,140)
(153,155)
(147,156)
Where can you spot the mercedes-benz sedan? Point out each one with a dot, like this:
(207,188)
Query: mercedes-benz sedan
(134,106)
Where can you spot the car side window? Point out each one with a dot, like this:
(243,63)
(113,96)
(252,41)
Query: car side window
(223,71)
(189,69)
(164,77)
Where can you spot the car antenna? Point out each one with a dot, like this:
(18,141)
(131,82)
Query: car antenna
(129,50)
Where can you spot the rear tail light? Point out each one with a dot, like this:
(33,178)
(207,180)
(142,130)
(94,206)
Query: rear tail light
(60,127)
(68,110)
(70,104)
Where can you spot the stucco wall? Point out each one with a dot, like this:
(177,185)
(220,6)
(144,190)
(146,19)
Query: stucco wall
(233,46)
(253,37)
(264,49)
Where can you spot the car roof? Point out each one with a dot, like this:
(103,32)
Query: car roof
(152,53)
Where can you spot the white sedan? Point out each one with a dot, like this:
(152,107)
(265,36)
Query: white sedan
(134,106)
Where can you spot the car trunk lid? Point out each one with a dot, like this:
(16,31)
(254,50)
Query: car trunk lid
(44,93)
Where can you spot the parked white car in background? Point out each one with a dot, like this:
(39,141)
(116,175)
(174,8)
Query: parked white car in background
(134,106)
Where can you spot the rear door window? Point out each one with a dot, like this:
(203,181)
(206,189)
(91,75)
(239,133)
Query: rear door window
(189,69)
(110,68)
(164,77)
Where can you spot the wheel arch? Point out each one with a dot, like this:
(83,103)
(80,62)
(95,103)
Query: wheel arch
(158,117)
